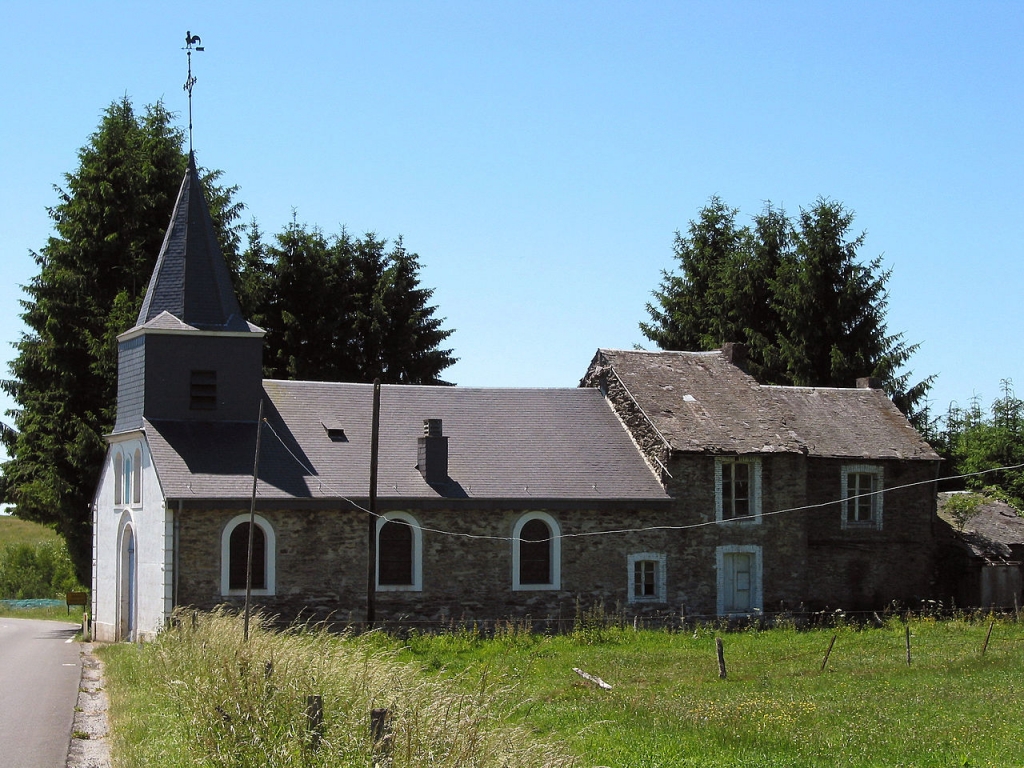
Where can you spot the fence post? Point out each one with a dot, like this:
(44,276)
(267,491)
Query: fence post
(908,643)
(828,653)
(314,720)
(987,636)
(721,658)
(380,733)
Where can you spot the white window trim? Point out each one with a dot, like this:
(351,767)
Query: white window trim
(417,554)
(556,553)
(864,469)
(756,578)
(118,469)
(660,590)
(754,518)
(225,555)
(136,478)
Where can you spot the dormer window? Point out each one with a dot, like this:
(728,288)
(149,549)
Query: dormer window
(203,391)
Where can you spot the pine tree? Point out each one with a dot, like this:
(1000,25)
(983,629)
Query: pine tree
(342,309)
(93,271)
(809,312)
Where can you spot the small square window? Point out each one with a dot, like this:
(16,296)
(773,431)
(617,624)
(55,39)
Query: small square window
(646,578)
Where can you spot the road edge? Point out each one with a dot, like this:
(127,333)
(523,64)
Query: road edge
(89,746)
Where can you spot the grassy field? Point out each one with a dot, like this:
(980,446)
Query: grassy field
(15,531)
(952,706)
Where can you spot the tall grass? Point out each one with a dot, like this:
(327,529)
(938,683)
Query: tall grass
(200,696)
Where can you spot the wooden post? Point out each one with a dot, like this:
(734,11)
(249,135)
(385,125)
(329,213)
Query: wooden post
(371,518)
(908,643)
(314,720)
(987,636)
(380,733)
(721,658)
(252,521)
(828,653)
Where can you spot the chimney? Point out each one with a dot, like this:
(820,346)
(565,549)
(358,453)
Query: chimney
(735,353)
(869,382)
(433,452)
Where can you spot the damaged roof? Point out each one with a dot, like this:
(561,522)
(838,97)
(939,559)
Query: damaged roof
(525,445)
(701,402)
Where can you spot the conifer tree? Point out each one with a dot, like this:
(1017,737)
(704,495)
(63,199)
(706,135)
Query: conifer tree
(93,272)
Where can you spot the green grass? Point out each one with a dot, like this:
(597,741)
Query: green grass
(199,697)
(57,613)
(668,707)
(16,531)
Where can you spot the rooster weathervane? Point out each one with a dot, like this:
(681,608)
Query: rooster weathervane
(192,43)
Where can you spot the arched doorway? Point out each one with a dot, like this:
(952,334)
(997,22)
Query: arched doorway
(126,587)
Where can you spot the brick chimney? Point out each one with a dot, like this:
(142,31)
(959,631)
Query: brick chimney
(433,452)
(735,352)
(869,382)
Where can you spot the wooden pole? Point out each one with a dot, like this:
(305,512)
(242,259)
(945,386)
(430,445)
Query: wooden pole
(371,519)
(252,520)
(908,643)
(721,658)
(987,636)
(828,653)
(314,720)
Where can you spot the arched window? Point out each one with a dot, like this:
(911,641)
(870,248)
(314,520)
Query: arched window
(126,492)
(536,553)
(137,478)
(234,556)
(239,546)
(118,478)
(399,553)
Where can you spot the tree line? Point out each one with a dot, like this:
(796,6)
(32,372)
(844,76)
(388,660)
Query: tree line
(346,308)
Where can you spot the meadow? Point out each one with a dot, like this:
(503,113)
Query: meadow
(203,696)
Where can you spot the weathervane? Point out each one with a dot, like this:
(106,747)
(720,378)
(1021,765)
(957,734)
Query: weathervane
(190,41)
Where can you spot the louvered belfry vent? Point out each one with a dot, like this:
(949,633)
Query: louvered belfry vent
(433,452)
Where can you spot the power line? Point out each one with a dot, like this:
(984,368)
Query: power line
(644,529)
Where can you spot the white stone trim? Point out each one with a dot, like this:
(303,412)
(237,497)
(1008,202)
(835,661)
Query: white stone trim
(269,561)
(756,578)
(417,554)
(660,588)
(876,500)
(754,518)
(556,553)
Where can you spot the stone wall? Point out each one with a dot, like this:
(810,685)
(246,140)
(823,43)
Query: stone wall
(867,568)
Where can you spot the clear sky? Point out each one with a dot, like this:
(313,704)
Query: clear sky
(539,156)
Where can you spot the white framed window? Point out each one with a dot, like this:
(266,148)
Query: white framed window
(740,590)
(862,496)
(127,475)
(118,478)
(646,577)
(536,553)
(399,553)
(738,489)
(234,551)
(137,478)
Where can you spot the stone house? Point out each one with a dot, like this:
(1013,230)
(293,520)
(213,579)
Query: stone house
(790,496)
(669,483)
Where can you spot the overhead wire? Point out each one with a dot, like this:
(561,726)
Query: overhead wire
(641,529)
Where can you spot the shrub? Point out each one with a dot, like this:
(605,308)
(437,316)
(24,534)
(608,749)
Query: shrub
(41,570)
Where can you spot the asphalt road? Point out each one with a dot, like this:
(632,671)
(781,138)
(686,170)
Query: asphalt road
(39,677)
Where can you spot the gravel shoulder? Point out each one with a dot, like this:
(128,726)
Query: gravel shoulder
(90,745)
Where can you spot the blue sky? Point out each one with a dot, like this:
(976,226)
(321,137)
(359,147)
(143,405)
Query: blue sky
(539,156)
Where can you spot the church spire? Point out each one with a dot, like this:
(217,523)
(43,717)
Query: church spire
(191,280)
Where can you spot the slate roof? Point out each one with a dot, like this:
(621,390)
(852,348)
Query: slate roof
(995,534)
(701,402)
(524,445)
(191,281)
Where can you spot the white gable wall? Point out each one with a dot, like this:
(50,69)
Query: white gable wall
(131,590)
